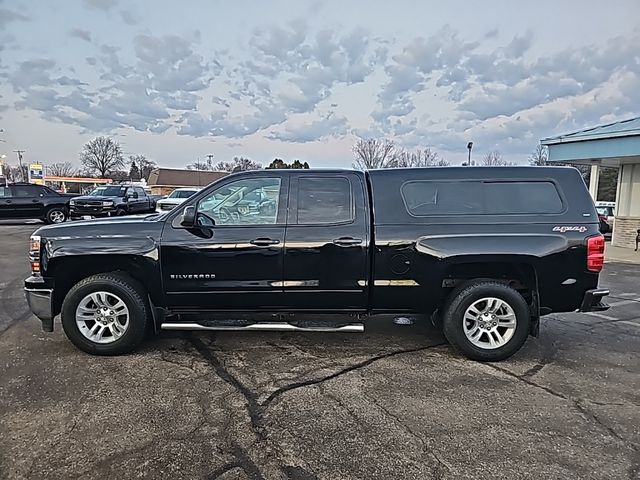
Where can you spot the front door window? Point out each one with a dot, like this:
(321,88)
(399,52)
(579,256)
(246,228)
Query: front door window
(252,201)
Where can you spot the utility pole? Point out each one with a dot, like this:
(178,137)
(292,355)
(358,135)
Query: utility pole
(20,152)
(210,161)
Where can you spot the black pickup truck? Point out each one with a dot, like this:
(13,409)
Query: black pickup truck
(484,251)
(31,201)
(112,200)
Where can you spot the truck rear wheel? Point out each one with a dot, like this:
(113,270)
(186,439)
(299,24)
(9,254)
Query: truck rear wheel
(486,321)
(106,314)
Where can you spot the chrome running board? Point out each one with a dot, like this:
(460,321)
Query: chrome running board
(265,327)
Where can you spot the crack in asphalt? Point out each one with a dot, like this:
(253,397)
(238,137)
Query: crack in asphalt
(438,473)
(241,460)
(548,356)
(582,409)
(253,407)
(257,410)
(351,368)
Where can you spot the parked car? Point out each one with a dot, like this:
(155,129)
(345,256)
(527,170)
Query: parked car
(484,251)
(605,228)
(28,200)
(112,200)
(607,210)
(175,198)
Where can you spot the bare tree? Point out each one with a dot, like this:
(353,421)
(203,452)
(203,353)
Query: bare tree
(540,156)
(224,167)
(494,159)
(143,165)
(373,153)
(242,163)
(419,158)
(61,169)
(201,165)
(17,173)
(238,164)
(101,156)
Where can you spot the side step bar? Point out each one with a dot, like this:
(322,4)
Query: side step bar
(265,327)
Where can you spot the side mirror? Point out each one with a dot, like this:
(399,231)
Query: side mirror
(134,195)
(188,218)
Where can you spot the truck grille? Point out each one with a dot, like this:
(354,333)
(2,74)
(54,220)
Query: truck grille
(165,206)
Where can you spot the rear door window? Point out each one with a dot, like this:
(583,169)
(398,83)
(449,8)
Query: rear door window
(324,200)
(5,192)
(25,191)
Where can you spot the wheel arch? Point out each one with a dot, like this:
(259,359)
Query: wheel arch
(70,269)
(517,272)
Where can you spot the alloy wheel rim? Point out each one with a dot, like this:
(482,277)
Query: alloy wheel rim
(102,317)
(56,216)
(489,323)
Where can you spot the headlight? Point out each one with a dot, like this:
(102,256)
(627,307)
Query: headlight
(107,203)
(72,202)
(34,254)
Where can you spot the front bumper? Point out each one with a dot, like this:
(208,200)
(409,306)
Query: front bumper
(592,300)
(79,212)
(40,304)
(39,293)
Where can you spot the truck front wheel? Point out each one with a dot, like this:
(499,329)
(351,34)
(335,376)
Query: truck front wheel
(486,321)
(106,314)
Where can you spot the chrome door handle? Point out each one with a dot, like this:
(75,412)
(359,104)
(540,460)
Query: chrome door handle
(347,241)
(263,242)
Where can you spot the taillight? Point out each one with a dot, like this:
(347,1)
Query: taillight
(595,253)
(34,254)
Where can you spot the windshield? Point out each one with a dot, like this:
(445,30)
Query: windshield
(182,193)
(111,191)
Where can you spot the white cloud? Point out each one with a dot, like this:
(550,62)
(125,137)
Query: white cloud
(330,125)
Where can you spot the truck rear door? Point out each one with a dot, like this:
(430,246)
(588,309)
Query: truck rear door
(27,201)
(326,262)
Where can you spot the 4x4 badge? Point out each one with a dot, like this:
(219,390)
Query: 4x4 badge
(570,228)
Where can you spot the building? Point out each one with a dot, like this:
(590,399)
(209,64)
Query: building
(163,181)
(611,145)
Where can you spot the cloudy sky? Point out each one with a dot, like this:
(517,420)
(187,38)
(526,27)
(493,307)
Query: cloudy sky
(295,79)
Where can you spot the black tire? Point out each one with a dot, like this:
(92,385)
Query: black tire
(56,215)
(462,298)
(120,212)
(132,294)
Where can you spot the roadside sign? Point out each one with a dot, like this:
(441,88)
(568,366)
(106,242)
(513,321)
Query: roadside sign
(36,174)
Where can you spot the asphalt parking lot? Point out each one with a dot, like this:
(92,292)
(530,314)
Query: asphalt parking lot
(395,402)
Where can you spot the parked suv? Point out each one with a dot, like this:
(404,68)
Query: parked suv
(484,251)
(175,198)
(112,200)
(28,200)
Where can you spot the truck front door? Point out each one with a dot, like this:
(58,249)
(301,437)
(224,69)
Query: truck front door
(235,260)
(326,264)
